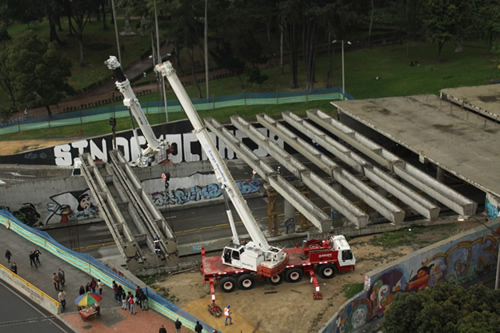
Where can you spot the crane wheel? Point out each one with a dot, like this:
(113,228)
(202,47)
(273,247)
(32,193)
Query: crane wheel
(294,275)
(275,280)
(327,271)
(246,282)
(227,284)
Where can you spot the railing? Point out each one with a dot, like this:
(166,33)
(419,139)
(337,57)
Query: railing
(104,113)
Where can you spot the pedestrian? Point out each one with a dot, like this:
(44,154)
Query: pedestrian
(227,314)
(115,290)
(124,301)
(62,299)
(198,328)
(32,259)
(144,301)
(61,277)
(120,293)
(99,286)
(87,287)
(97,307)
(82,290)
(138,296)
(93,284)
(8,255)
(56,281)
(13,268)
(26,113)
(37,254)
(132,305)
(162,329)
(178,325)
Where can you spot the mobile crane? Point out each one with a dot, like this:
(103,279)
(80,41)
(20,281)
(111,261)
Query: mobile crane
(157,150)
(242,263)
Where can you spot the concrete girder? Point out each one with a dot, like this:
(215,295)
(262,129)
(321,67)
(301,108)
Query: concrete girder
(359,218)
(379,203)
(391,185)
(442,193)
(304,205)
(435,189)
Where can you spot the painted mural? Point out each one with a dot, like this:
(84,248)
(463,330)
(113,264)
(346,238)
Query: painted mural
(28,214)
(461,262)
(77,204)
(195,193)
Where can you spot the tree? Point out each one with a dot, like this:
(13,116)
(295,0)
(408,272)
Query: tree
(34,72)
(445,308)
(445,20)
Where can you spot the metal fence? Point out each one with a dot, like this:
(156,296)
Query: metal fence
(173,106)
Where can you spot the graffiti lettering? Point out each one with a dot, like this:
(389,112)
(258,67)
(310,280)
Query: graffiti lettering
(181,196)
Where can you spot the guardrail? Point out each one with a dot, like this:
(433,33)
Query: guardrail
(104,113)
(95,268)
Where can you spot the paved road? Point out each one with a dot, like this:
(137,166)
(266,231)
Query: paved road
(19,314)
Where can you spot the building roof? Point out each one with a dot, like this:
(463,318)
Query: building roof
(459,141)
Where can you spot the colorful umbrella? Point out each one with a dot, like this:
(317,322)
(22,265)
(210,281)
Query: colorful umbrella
(87,299)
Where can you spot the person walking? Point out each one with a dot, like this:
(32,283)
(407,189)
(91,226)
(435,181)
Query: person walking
(56,281)
(8,255)
(62,299)
(87,287)
(115,290)
(37,254)
(162,329)
(178,325)
(13,268)
(99,286)
(82,290)
(198,328)
(124,301)
(32,259)
(61,277)
(227,314)
(132,305)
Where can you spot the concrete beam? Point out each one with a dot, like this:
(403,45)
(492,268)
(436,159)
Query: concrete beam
(305,206)
(379,203)
(439,191)
(303,173)
(388,183)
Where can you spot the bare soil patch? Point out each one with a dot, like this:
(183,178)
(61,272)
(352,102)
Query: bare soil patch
(19,146)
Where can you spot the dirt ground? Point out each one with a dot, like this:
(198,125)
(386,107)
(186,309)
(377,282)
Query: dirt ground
(288,307)
(18,146)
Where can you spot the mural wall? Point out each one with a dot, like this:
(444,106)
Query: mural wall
(461,260)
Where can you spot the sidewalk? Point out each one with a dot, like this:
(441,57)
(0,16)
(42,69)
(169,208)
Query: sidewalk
(112,318)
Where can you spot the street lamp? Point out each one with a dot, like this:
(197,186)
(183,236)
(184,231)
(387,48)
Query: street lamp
(343,75)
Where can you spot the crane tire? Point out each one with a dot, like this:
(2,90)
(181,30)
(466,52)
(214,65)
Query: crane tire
(327,271)
(227,284)
(275,280)
(246,281)
(294,274)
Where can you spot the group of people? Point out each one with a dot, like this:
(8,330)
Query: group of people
(91,286)
(59,279)
(35,257)
(128,300)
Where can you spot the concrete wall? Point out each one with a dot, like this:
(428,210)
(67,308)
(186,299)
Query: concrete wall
(29,290)
(462,259)
(50,202)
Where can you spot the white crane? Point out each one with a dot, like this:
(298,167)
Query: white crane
(256,255)
(157,151)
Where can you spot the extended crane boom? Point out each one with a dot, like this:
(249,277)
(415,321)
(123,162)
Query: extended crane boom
(157,150)
(252,255)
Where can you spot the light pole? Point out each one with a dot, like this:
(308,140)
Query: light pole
(159,60)
(343,73)
(116,31)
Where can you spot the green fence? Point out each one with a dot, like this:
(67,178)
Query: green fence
(173,106)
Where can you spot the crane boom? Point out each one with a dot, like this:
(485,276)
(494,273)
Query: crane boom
(157,150)
(221,171)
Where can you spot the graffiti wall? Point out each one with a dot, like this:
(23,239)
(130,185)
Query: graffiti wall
(77,204)
(461,260)
(180,136)
(204,187)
